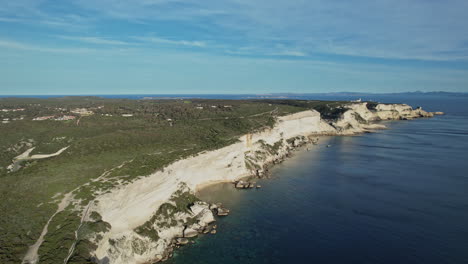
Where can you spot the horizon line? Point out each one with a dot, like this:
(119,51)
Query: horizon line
(275,93)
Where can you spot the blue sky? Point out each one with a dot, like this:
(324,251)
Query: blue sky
(235,46)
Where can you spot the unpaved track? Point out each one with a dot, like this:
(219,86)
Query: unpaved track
(32,256)
(72,248)
(221,118)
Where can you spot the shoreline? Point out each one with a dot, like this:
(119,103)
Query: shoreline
(302,148)
(249,158)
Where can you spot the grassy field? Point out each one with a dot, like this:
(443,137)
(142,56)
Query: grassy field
(158,133)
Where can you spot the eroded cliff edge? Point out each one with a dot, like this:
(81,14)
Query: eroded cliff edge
(146,216)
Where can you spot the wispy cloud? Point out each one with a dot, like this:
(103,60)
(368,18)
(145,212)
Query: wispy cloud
(96,40)
(158,40)
(69,22)
(9,20)
(389,29)
(22,46)
(292,53)
(396,29)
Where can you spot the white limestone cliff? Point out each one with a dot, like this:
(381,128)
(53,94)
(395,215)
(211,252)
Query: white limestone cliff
(130,206)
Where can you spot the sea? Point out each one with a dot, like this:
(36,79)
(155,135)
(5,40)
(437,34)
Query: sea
(398,195)
(394,196)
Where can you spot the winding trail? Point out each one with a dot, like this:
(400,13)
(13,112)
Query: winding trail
(15,165)
(72,248)
(86,211)
(45,156)
(31,256)
(221,118)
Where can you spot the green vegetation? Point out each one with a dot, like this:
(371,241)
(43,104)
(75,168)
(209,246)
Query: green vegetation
(59,239)
(180,202)
(290,141)
(327,109)
(372,105)
(141,136)
(359,118)
(271,149)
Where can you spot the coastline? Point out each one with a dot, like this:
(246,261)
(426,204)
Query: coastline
(274,145)
(203,186)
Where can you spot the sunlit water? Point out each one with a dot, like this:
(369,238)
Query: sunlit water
(394,196)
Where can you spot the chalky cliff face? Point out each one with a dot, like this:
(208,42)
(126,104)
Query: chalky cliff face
(148,215)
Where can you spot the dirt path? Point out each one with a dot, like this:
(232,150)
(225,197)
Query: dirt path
(86,211)
(16,165)
(31,256)
(221,118)
(44,156)
(77,231)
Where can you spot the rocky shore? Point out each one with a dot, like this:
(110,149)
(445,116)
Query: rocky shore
(203,223)
(152,216)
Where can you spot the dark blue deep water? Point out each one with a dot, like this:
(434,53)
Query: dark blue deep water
(395,196)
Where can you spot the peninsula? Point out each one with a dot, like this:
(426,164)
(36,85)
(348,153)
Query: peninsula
(119,186)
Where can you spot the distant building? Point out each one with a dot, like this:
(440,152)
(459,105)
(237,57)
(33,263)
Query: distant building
(65,117)
(13,110)
(41,118)
(199,107)
(127,115)
(82,111)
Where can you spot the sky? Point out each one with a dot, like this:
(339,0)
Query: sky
(232,46)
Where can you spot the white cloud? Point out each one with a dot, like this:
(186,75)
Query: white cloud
(157,40)
(9,20)
(21,46)
(96,40)
(395,29)
(290,53)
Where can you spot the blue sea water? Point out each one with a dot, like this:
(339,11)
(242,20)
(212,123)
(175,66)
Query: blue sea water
(395,196)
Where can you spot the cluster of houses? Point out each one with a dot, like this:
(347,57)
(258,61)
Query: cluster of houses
(65,117)
(7,120)
(213,106)
(61,118)
(76,111)
(82,111)
(12,110)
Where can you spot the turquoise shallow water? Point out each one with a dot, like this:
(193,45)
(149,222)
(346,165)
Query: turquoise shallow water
(395,196)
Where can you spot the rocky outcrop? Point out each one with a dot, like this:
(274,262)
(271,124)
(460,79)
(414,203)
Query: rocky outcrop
(174,224)
(360,117)
(142,232)
(222,211)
